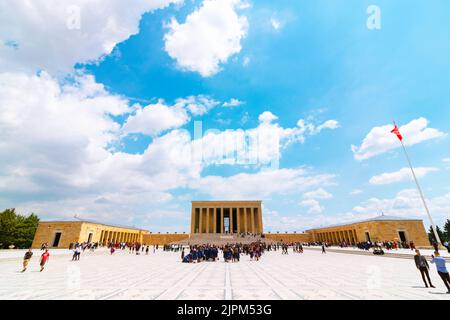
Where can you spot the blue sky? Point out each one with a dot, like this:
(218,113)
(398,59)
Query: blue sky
(141,80)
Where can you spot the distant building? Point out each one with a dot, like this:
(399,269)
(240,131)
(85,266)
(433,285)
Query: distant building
(382,228)
(223,221)
(226,217)
(61,233)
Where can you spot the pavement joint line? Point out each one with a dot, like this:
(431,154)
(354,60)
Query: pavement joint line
(267,283)
(228,287)
(294,276)
(321,283)
(175,291)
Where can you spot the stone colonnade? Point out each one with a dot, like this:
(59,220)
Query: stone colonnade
(117,236)
(339,236)
(226,217)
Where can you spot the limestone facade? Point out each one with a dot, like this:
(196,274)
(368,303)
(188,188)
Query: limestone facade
(377,229)
(246,216)
(60,234)
(162,239)
(226,217)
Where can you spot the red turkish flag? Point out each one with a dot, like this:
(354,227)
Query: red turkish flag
(396,131)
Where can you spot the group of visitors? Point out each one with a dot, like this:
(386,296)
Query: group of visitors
(230,252)
(233,252)
(132,247)
(42,261)
(423,266)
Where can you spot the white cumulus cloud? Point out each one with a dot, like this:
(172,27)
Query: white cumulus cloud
(407,204)
(54,35)
(402,175)
(447,162)
(233,102)
(311,200)
(208,37)
(380,139)
(260,185)
(156,118)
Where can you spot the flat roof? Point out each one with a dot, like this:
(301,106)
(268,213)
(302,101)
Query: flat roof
(227,201)
(80,220)
(378,218)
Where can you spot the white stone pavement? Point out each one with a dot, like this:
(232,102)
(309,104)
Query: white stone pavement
(403,252)
(162,276)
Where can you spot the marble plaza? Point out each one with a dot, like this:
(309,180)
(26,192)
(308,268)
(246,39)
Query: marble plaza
(162,276)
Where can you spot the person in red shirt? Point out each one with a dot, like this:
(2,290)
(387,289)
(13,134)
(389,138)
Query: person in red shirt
(44,258)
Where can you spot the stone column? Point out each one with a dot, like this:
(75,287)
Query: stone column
(192,220)
(252,217)
(238,219)
(245,220)
(261,225)
(215,220)
(231,220)
(255,217)
(207,220)
(200,221)
(222,227)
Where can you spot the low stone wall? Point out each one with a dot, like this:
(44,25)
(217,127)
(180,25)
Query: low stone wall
(289,237)
(162,239)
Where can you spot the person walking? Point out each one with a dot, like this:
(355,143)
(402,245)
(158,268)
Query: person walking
(447,245)
(44,259)
(423,267)
(323,248)
(435,246)
(441,269)
(76,253)
(26,259)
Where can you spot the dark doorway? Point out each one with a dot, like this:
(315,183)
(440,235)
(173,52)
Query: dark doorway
(368,237)
(234,226)
(56,240)
(90,237)
(402,236)
(196,220)
(218,221)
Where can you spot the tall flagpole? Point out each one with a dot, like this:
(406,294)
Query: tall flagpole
(433,226)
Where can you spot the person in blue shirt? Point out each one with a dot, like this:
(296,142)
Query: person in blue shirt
(441,269)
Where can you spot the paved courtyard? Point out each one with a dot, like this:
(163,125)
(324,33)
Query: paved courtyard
(161,276)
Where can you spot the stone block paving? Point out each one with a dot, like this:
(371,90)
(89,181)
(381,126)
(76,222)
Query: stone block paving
(312,275)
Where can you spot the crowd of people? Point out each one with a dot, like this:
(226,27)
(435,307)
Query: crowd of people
(229,252)
(233,252)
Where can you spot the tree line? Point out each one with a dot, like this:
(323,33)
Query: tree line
(16,229)
(443,234)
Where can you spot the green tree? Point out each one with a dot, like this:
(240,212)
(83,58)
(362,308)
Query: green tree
(431,236)
(16,229)
(447,230)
